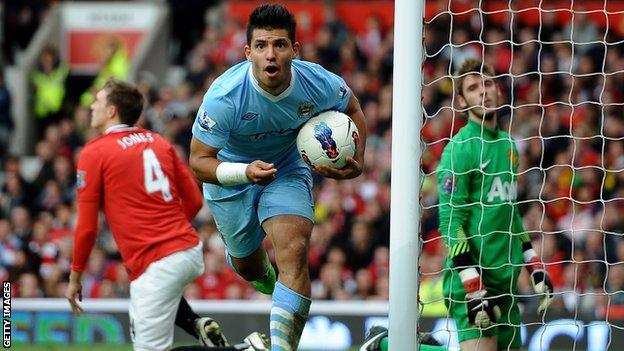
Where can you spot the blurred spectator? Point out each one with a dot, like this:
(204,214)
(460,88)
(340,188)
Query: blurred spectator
(359,248)
(45,158)
(21,223)
(581,31)
(21,19)
(6,118)
(461,48)
(364,284)
(14,193)
(114,62)
(49,83)
(188,18)
(615,284)
(29,286)
(430,289)
(9,244)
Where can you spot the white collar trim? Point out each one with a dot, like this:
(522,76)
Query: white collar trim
(274,98)
(118,128)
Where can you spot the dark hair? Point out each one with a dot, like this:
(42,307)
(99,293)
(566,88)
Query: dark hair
(274,16)
(473,66)
(126,98)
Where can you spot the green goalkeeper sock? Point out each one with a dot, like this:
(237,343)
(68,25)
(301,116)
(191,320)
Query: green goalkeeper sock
(266,283)
(383,345)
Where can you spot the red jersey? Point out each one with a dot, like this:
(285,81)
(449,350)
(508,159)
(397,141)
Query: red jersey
(147,193)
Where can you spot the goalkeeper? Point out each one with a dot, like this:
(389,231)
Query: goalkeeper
(480,222)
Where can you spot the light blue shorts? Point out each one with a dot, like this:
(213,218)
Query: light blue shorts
(240,210)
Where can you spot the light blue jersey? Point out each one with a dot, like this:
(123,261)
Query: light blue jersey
(249,124)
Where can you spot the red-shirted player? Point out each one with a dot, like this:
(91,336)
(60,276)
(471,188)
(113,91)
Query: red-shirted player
(149,197)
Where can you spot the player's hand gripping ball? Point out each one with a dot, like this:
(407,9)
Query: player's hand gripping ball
(328,139)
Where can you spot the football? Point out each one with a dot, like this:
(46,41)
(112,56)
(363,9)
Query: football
(328,139)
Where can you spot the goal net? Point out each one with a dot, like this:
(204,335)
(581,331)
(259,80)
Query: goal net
(560,69)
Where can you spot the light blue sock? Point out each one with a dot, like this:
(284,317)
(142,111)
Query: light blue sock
(289,314)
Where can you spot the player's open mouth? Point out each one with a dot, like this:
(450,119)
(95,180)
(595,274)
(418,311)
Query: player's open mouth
(272,71)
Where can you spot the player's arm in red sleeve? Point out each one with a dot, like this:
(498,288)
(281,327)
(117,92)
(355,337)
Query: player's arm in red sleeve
(89,186)
(190,196)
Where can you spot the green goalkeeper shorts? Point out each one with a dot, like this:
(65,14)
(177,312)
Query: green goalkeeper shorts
(507,329)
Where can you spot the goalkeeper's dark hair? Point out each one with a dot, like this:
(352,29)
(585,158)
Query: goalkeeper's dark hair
(472,66)
(271,16)
(126,98)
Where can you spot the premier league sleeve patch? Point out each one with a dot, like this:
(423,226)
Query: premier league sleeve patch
(80,179)
(448,184)
(205,122)
(342,92)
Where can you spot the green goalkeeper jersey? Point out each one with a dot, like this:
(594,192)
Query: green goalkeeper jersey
(477,189)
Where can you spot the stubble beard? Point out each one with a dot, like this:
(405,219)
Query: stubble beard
(489,116)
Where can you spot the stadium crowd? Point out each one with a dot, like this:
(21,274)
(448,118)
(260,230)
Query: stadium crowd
(561,108)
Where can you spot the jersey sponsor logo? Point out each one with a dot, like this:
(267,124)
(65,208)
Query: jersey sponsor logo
(503,191)
(448,184)
(81,179)
(305,109)
(206,123)
(342,92)
(249,116)
(323,134)
(270,133)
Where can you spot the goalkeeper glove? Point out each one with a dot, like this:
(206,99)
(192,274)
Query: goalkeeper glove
(482,309)
(542,285)
(539,277)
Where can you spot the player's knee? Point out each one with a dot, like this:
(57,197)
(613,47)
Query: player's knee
(295,251)
(294,264)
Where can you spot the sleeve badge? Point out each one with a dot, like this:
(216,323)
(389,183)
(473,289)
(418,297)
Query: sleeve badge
(448,184)
(81,179)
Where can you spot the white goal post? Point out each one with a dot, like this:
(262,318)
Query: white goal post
(405,178)
(560,67)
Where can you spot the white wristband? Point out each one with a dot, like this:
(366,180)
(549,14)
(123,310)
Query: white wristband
(230,173)
(468,274)
(528,255)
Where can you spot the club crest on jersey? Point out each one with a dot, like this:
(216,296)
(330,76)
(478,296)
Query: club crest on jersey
(448,184)
(513,157)
(81,179)
(305,109)
(323,134)
(249,116)
(205,123)
(342,92)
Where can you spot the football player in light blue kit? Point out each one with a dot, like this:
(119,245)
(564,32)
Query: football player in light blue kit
(255,183)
